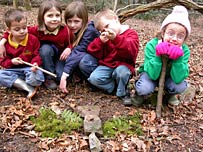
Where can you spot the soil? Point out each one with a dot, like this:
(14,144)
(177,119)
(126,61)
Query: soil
(179,129)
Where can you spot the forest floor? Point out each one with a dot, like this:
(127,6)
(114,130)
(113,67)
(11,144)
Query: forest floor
(179,129)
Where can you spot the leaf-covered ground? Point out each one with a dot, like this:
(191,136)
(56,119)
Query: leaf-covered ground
(179,129)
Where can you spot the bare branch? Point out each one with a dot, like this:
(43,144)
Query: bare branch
(124,15)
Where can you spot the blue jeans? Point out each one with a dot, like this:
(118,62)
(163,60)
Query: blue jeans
(9,76)
(107,78)
(50,60)
(146,86)
(88,64)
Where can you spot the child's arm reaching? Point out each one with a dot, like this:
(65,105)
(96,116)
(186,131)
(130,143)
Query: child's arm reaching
(2,47)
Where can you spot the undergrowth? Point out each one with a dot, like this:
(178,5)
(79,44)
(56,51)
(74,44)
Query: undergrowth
(49,124)
(52,125)
(129,125)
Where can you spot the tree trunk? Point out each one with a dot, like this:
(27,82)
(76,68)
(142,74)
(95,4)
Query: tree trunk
(15,4)
(27,4)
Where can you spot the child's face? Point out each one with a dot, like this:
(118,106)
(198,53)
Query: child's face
(52,19)
(112,24)
(18,30)
(175,34)
(74,23)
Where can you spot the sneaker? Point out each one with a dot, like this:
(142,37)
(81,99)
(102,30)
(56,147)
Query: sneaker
(173,100)
(137,100)
(126,100)
(50,84)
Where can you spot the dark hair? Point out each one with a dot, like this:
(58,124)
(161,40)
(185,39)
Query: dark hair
(14,15)
(79,9)
(44,7)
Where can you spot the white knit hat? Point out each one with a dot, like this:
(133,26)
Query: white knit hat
(178,15)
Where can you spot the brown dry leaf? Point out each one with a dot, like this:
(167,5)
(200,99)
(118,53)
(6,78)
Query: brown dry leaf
(43,145)
(173,137)
(152,116)
(19,112)
(55,103)
(64,143)
(125,146)
(139,143)
(15,126)
(132,112)
(56,109)
(114,146)
(83,144)
(165,130)
(201,126)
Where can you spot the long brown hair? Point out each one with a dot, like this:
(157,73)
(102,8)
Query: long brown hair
(44,7)
(79,9)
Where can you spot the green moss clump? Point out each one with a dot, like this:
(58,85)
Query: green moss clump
(126,125)
(52,125)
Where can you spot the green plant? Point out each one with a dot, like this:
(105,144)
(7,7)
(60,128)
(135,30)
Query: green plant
(52,125)
(126,125)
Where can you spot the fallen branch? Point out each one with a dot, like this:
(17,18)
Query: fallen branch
(124,15)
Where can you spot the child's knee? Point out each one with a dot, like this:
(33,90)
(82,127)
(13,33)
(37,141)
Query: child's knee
(143,88)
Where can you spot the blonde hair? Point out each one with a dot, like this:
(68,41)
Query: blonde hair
(106,13)
(79,9)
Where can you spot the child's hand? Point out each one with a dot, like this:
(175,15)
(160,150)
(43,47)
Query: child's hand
(16,61)
(2,48)
(111,34)
(65,54)
(34,68)
(103,37)
(175,52)
(63,84)
(162,48)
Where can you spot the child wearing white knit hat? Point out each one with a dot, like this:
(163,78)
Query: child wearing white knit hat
(174,31)
(178,15)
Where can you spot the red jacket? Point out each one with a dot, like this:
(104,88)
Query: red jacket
(28,53)
(122,50)
(62,40)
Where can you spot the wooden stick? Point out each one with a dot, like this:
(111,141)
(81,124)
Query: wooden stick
(43,70)
(161,86)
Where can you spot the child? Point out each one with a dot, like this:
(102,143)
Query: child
(55,39)
(20,46)
(174,31)
(76,18)
(116,50)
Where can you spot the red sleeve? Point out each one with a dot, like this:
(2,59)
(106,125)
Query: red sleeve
(36,56)
(6,62)
(127,45)
(33,30)
(96,48)
(6,34)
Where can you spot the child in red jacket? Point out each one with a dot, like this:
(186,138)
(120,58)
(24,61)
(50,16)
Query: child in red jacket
(55,40)
(116,50)
(20,46)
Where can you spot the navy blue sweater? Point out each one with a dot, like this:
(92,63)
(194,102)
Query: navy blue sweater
(79,51)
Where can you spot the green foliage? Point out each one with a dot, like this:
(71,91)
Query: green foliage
(72,119)
(52,125)
(127,125)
